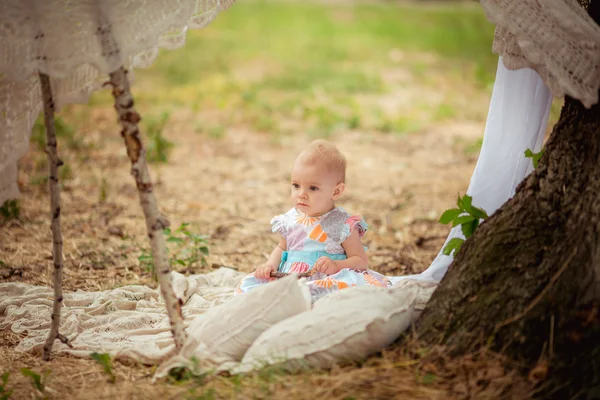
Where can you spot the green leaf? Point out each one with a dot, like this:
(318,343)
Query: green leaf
(180,262)
(469,227)
(429,378)
(478,213)
(462,219)
(472,210)
(36,378)
(145,258)
(104,360)
(459,203)
(452,245)
(167,231)
(449,215)
(175,239)
(204,250)
(182,226)
(535,157)
(466,202)
(4,392)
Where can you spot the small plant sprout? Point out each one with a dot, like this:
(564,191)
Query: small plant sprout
(37,381)
(104,360)
(467,216)
(158,147)
(184,248)
(103,190)
(535,157)
(191,248)
(10,210)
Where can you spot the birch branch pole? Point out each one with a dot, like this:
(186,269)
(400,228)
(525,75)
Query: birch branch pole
(155,222)
(53,163)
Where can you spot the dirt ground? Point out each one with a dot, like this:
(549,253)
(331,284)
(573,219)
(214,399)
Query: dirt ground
(229,189)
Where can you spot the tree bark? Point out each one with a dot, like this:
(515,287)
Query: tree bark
(527,283)
(53,163)
(155,222)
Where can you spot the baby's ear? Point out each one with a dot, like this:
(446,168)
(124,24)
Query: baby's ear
(339,190)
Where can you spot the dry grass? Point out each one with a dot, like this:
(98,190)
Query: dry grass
(228,188)
(406,370)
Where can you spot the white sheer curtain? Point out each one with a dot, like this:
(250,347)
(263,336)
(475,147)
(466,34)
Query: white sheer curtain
(517,120)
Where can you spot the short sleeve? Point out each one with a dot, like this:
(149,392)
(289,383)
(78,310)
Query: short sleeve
(352,223)
(279,225)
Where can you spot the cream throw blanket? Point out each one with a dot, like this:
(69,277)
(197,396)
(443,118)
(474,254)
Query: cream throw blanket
(128,322)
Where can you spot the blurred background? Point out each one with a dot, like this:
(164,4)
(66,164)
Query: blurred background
(402,88)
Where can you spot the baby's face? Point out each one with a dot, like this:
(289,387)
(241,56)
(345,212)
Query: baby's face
(314,188)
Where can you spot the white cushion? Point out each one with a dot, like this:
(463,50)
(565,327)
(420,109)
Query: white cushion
(425,291)
(224,333)
(347,325)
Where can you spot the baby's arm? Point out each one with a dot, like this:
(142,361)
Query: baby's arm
(264,271)
(355,253)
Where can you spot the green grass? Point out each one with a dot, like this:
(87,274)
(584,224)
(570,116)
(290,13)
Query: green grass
(311,41)
(261,62)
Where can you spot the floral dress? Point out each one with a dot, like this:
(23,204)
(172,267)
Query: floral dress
(309,238)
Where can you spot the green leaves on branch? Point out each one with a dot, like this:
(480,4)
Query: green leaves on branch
(467,216)
(453,244)
(535,157)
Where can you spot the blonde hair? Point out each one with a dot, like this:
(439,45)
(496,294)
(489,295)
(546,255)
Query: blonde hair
(327,153)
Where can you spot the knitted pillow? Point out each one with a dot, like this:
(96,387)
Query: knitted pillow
(224,333)
(344,326)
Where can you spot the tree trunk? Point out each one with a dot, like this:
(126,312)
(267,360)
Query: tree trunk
(53,163)
(155,222)
(528,281)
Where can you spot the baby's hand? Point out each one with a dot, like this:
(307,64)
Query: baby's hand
(326,265)
(264,271)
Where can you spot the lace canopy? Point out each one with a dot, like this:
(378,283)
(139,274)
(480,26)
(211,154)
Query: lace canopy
(77,44)
(556,38)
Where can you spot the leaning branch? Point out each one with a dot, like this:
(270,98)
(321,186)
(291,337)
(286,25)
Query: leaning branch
(155,222)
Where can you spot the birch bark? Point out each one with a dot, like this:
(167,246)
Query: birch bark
(155,222)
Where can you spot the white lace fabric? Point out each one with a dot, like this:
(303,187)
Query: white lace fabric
(556,38)
(77,43)
(129,322)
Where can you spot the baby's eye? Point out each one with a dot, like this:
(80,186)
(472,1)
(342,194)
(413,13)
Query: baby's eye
(314,188)
(295,186)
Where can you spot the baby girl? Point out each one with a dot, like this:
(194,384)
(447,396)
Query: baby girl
(318,239)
